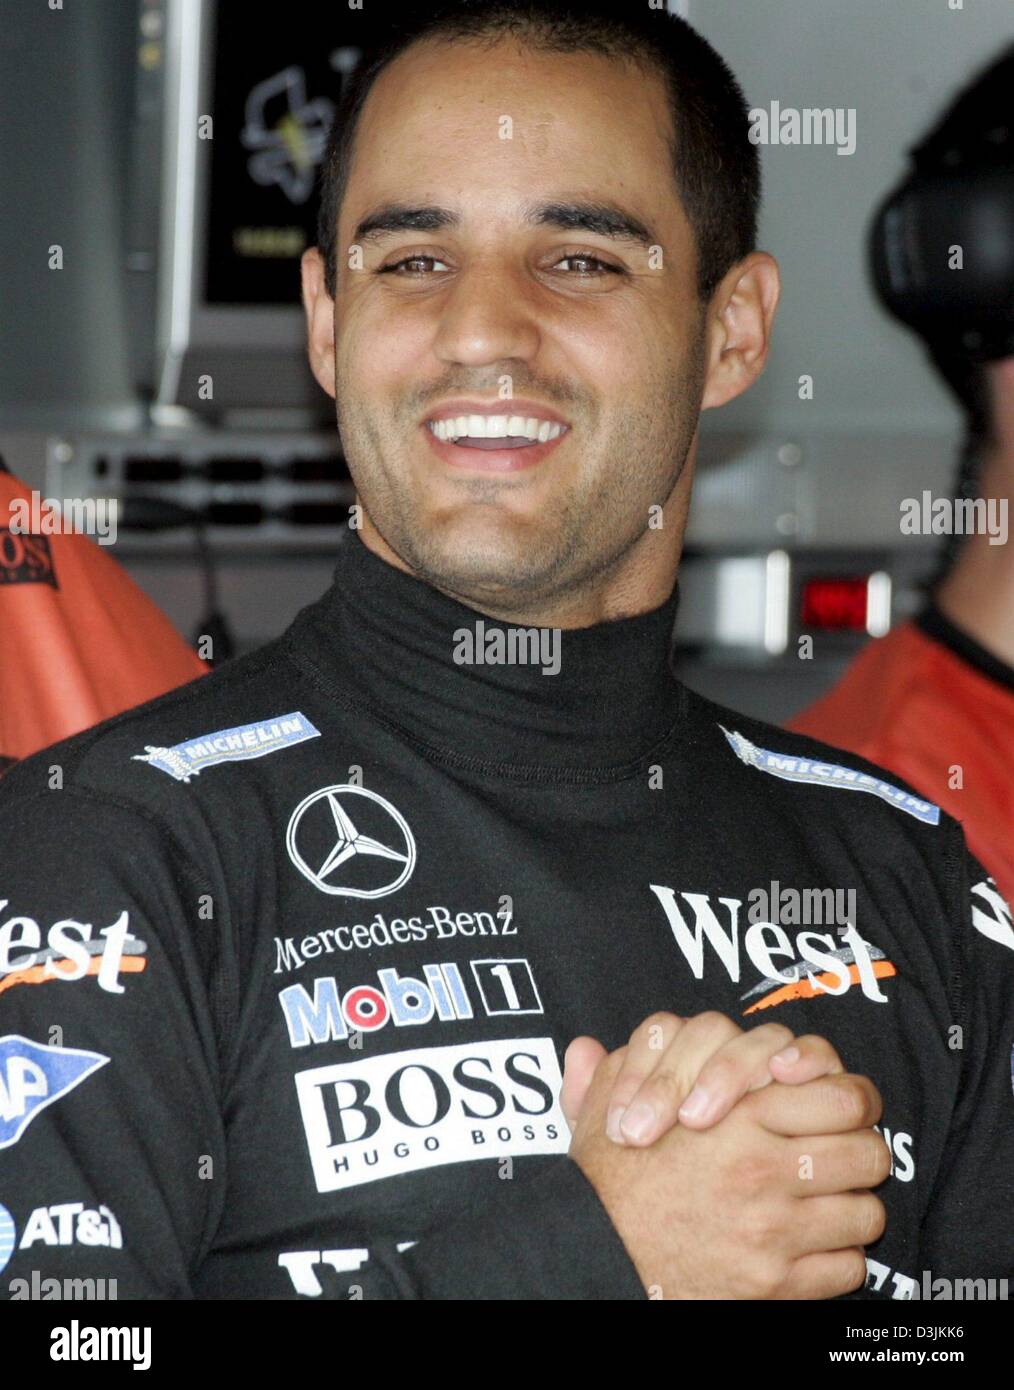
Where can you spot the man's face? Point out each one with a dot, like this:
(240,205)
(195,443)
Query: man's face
(604,333)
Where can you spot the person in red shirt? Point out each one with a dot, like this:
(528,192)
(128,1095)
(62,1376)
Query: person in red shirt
(79,641)
(934,700)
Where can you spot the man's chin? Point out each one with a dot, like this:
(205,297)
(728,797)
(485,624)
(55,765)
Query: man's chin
(486,561)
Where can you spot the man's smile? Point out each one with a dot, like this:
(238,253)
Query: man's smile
(517,435)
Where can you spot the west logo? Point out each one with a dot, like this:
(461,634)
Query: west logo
(328,1015)
(815,962)
(383,1116)
(70,952)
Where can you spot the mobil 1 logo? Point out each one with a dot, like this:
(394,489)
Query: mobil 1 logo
(506,986)
(334,1008)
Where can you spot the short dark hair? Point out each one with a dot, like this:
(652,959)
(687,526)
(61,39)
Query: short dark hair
(715,165)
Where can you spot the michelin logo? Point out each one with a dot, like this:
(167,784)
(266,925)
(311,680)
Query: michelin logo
(186,760)
(793,768)
(34,1075)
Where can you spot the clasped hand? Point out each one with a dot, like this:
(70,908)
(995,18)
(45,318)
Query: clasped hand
(733,1164)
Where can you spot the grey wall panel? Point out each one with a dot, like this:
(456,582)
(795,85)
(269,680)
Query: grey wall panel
(64,112)
(896,64)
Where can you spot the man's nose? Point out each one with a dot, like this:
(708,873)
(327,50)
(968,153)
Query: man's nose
(488,315)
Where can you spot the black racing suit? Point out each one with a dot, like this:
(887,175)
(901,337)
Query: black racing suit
(289,959)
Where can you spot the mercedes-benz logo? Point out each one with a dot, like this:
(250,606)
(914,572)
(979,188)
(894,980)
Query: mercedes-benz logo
(327,826)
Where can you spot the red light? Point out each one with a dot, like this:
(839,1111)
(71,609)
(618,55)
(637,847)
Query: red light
(835,603)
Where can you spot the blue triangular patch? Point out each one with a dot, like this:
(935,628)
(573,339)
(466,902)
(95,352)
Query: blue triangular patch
(32,1076)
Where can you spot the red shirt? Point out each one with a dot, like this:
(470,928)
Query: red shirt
(931,704)
(79,641)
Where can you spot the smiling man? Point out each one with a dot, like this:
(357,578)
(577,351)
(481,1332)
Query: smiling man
(544,282)
(290,959)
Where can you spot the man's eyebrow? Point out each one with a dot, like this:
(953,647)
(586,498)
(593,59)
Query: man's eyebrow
(593,216)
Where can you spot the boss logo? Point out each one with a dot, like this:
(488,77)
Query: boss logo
(382,1116)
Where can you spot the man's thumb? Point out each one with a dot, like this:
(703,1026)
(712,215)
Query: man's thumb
(579,1064)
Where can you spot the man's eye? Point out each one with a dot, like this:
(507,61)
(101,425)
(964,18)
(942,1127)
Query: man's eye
(598,265)
(410,260)
(418,265)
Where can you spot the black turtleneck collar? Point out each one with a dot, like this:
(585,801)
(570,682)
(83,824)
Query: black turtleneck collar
(385,641)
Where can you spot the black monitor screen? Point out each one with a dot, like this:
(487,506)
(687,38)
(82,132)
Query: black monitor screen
(275,88)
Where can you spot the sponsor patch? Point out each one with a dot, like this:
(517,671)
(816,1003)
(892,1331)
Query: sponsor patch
(304,1266)
(25,559)
(8,1237)
(34,1075)
(819,963)
(902,1158)
(803,982)
(438,923)
(72,1223)
(71,952)
(381,1117)
(993,917)
(350,842)
(187,759)
(792,767)
(902,1286)
(440,993)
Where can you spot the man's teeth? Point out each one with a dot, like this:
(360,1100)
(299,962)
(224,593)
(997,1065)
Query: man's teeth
(497,427)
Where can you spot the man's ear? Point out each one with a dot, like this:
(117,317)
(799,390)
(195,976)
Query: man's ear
(739,321)
(319,308)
